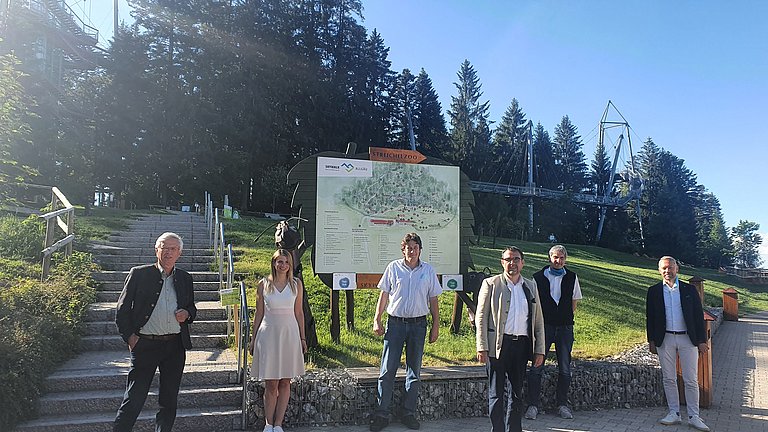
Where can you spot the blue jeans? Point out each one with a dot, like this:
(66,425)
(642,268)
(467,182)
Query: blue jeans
(399,334)
(562,337)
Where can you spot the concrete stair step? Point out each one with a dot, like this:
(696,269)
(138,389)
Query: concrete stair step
(200,243)
(146,250)
(108,328)
(118,286)
(150,258)
(112,296)
(190,267)
(206,311)
(104,370)
(203,419)
(114,342)
(186,233)
(120,275)
(93,401)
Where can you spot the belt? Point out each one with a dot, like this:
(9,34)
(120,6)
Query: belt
(515,337)
(674,332)
(408,320)
(165,337)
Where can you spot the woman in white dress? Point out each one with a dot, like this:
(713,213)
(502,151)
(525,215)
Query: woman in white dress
(278,343)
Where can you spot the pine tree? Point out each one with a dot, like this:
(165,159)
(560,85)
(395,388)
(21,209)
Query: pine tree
(14,129)
(466,114)
(405,109)
(746,244)
(600,172)
(428,121)
(569,158)
(544,163)
(508,164)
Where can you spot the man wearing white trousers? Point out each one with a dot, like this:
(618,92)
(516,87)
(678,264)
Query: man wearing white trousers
(675,327)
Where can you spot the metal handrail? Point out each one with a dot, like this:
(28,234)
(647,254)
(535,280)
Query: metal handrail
(245,333)
(226,259)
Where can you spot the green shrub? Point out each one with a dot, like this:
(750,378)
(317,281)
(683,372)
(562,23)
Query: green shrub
(11,270)
(40,327)
(21,238)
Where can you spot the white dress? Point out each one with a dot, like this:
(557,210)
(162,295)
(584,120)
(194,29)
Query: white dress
(277,352)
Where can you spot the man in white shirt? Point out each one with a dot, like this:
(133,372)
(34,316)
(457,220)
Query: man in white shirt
(559,291)
(409,290)
(510,332)
(675,328)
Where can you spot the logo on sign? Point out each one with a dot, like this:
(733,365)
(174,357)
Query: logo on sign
(344,283)
(348,166)
(452,284)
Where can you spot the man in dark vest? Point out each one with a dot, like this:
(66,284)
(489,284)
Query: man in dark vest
(559,291)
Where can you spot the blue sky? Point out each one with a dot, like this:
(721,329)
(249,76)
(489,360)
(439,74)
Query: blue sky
(693,75)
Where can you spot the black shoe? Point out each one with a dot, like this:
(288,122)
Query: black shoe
(379,423)
(410,422)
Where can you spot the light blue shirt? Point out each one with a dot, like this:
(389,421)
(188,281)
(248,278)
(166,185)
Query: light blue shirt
(672,308)
(409,289)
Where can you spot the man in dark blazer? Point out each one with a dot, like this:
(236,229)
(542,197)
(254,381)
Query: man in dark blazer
(675,328)
(153,315)
(510,332)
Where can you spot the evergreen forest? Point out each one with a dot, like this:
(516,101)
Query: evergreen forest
(226,96)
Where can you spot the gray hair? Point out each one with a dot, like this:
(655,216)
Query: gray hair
(668,258)
(558,248)
(169,235)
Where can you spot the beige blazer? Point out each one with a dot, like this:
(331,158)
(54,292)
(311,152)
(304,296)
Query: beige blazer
(492,309)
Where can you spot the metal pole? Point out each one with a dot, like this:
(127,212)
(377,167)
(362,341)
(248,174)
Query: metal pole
(531,185)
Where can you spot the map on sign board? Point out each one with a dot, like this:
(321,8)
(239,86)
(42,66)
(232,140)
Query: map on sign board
(364,208)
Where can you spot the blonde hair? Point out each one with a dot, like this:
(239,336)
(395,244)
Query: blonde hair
(269,287)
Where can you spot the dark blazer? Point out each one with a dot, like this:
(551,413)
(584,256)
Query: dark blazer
(139,297)
(655,316)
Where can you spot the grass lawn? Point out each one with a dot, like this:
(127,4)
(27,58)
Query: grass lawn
(610,318)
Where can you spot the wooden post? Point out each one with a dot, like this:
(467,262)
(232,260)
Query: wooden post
(730,304)
(70,230)
(458,310)
(335,324)
(350,310)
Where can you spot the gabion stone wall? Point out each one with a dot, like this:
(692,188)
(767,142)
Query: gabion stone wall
(348,396)
(336,396)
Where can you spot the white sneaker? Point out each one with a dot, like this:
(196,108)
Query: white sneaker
(697,423)
(277,429)
(671,419)
(565,412)
(531,412)
(268,428)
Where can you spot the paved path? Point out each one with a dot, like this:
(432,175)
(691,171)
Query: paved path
(740,375)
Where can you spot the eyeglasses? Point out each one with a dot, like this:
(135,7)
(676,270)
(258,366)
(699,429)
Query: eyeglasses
(513,259)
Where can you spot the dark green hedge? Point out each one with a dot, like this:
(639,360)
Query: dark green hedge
(40,327)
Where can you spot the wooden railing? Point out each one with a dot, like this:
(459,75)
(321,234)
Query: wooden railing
(66,224)
(745,273)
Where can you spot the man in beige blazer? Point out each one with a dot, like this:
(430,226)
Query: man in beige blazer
(510,332)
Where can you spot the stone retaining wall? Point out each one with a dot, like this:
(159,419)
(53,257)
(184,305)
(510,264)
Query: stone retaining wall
(335,397)
(348,396)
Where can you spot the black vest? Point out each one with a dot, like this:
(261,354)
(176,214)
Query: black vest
(554,313)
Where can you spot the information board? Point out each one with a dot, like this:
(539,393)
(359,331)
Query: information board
(364,208)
